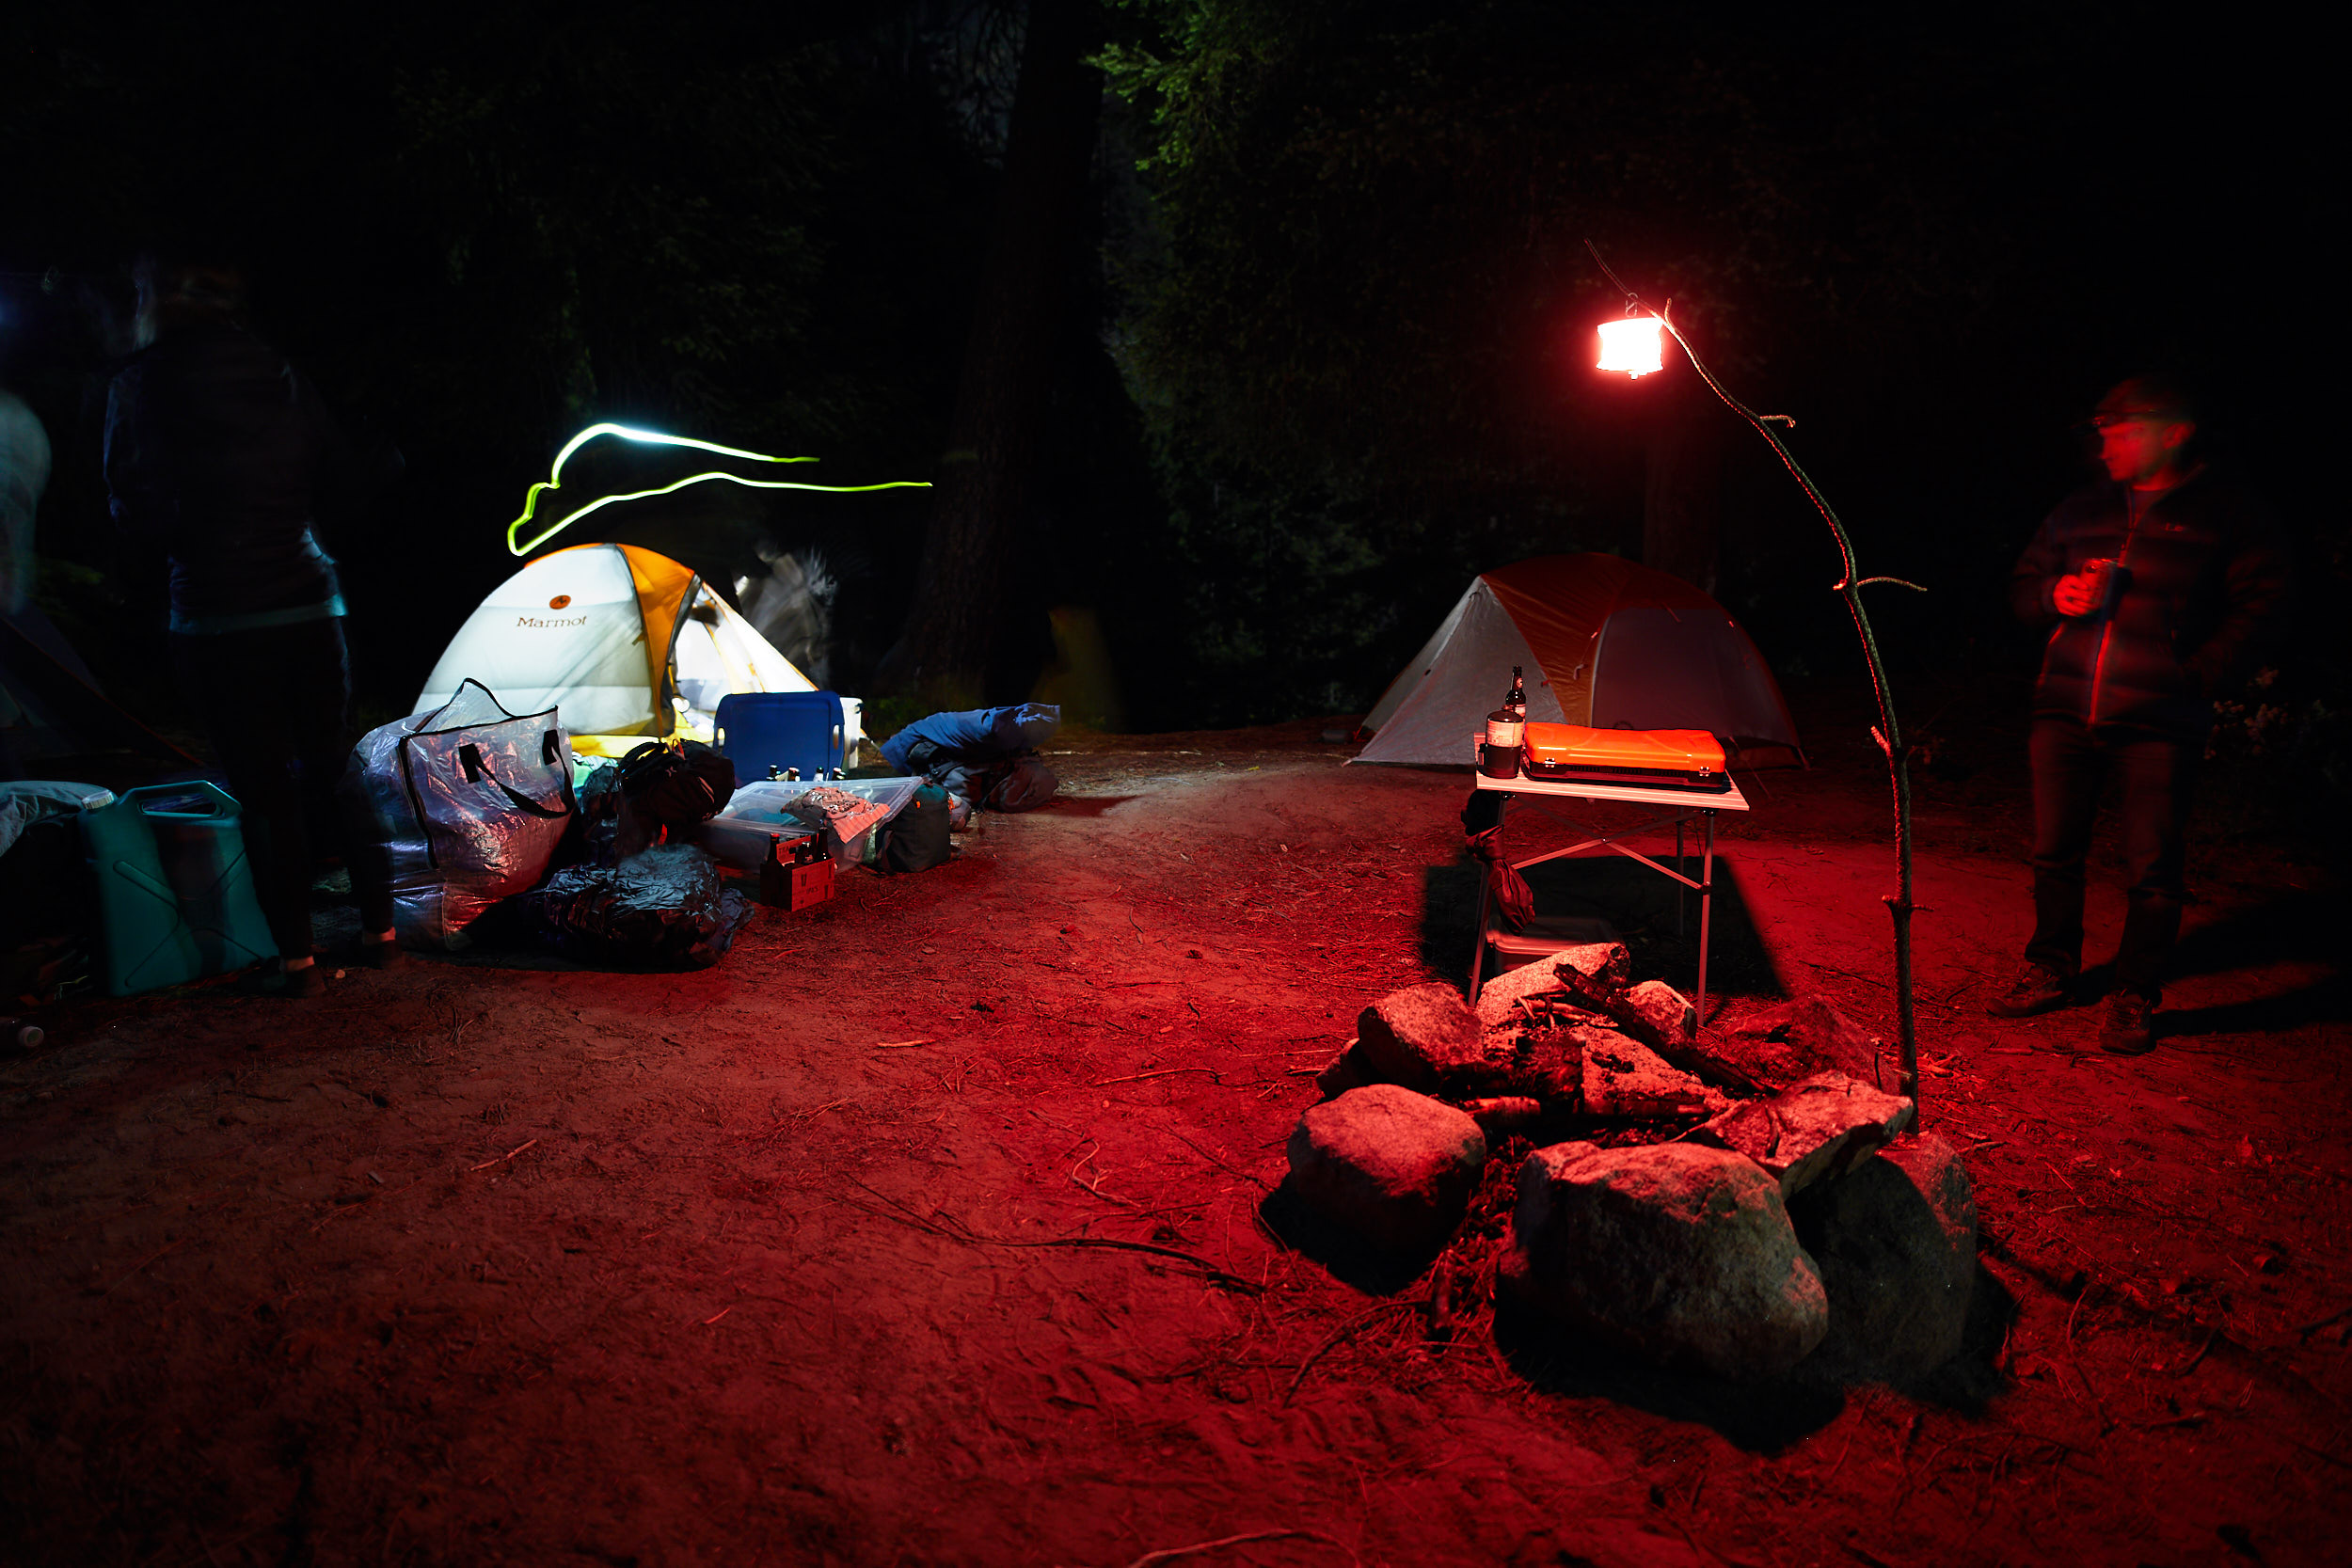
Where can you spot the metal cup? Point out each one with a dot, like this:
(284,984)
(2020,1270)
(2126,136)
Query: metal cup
(2103,577)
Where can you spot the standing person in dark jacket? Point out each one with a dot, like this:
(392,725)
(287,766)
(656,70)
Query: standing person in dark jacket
(220,455)
(2164,587)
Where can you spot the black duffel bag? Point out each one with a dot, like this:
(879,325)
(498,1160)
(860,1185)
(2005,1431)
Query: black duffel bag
(676,789)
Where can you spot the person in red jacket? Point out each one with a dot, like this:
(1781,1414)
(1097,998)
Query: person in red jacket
(2163,588)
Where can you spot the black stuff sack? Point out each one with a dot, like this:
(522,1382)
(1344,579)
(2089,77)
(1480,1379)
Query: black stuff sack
(917,838)
(676,789)
(599,834)
(665,909)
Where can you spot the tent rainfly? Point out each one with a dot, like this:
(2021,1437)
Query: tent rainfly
(1605,642)
(626,643)
(50,704)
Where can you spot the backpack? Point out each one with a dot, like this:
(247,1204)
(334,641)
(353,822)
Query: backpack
(676,789)
(916,838)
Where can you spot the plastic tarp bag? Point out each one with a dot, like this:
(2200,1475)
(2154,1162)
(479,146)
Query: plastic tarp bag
(466,802)
(25,801)
(48,896)
(665,909)
(16,815)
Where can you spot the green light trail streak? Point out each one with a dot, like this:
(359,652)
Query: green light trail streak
(652,437)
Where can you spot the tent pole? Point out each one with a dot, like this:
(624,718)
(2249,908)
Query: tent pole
(1887,732)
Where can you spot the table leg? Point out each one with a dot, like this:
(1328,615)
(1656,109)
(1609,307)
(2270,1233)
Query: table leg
(1706,902)
(1682,899)
(1478,927)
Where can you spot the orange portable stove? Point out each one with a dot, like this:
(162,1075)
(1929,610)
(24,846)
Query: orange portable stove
(1643,759)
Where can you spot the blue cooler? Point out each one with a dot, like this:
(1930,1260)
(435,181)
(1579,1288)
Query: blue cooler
(175,893)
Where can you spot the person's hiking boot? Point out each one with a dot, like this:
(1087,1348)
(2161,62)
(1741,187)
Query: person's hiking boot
(2129,1027)
(2037,988)
(382,955)
(287,984)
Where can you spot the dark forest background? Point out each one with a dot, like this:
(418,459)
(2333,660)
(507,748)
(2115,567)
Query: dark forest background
(1307,337)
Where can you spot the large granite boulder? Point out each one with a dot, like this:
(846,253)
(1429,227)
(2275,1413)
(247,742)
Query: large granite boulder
(1602,963)
(1606,962)
(1681,1255)
(1775,1047)
(1544,1064)
(1416,1036)
(1499,999)
(1896,1242)
(1396,1168)
(1426,1040)
(1663,1010)
(1622,1077)
(1812,1131)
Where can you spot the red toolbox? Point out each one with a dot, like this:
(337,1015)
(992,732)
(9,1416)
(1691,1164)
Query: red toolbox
(1643,759)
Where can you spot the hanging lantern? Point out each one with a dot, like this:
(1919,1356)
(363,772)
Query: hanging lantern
(1631,345)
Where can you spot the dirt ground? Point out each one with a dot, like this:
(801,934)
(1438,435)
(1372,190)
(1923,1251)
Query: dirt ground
(926,1230)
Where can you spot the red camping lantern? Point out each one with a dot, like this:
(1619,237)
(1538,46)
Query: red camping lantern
(1632,345)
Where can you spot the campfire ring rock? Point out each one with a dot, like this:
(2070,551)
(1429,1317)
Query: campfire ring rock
(1678,1254)
(1396,1168)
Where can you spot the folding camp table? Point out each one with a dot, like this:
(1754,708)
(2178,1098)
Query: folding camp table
(1684,804)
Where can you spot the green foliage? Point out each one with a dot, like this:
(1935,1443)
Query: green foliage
(1374,216)
(1369,308)
(613,209)
(621,204)
(882,716)
(1283,591)
(478,232)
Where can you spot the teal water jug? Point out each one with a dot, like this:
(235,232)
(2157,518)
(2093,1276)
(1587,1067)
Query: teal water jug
(175,893)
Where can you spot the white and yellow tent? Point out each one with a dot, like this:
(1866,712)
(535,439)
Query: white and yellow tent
(626,643)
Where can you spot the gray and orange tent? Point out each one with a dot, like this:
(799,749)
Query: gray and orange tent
(51,708)
(628,643)
(1605,642)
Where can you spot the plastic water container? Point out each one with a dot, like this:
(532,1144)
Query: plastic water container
(175,893)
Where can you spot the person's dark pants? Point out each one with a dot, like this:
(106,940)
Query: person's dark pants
(276,704)
(2072,763)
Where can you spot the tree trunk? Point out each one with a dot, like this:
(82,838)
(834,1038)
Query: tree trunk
(960,592)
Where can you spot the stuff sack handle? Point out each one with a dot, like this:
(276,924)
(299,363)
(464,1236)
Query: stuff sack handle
(470,758)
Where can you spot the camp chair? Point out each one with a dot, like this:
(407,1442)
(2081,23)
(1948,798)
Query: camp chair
(760,730)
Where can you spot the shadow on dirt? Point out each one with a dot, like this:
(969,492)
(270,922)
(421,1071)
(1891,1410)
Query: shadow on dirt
(1765,1416)
(2329,1001)
(1348,1258)
(1972,1380)
(1083,805)
(2297,924)
(1637,901)
(2293,923)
